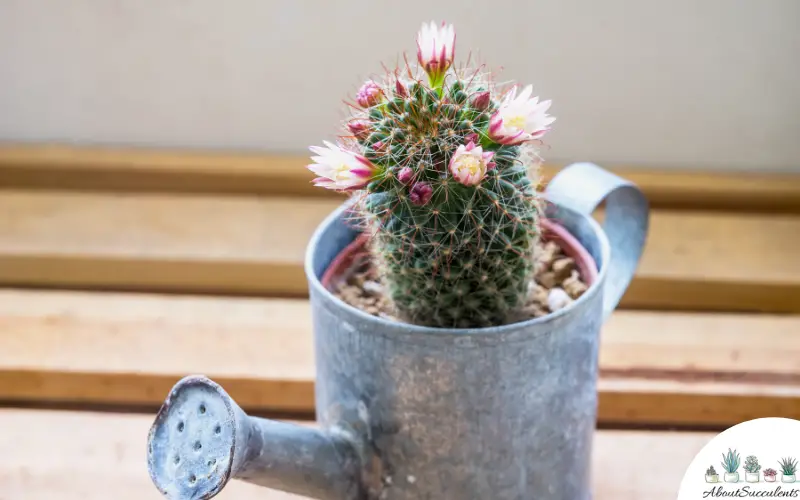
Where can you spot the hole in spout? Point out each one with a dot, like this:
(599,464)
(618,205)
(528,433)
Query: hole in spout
(218,429)
(197,446)
(212,462)
(177,459)
(192,479)
(202,409)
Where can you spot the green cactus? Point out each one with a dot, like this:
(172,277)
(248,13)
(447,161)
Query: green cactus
(464,257)
(711,471)
(448,192)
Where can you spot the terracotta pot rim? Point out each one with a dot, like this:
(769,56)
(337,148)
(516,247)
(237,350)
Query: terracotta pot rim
(552,231)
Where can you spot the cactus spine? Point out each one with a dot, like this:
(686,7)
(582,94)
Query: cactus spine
(445,188)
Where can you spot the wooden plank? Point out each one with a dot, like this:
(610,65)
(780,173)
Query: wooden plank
(161,242)
(129,349)
(136,169)
(91,456)
(250,245)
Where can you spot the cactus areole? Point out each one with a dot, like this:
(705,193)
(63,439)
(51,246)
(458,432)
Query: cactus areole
(452,400)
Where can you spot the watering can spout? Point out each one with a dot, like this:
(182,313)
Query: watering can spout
(201,439)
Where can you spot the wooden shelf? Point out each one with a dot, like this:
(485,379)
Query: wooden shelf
(129,349)
(256,246)
(62,166)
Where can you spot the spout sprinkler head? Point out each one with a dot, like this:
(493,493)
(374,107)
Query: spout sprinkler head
(191,445)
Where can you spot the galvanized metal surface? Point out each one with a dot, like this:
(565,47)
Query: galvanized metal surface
(201,438)
(503,413)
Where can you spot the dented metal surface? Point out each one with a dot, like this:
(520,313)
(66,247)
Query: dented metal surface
(407,412)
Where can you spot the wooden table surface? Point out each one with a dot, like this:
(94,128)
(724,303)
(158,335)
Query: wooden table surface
(123,270)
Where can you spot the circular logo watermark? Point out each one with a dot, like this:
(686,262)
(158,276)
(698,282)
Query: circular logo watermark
(759,458)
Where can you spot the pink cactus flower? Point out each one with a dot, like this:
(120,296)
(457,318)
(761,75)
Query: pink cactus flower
(405,174)
(470,163)
(369,94)
(421,193)
(436,47)
(520,118)
(359,128)
(339,169)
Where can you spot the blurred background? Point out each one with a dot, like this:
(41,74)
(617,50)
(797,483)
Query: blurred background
(709,84)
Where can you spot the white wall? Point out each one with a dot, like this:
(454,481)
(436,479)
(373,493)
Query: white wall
(694,83)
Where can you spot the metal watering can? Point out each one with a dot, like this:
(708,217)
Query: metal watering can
(408,412)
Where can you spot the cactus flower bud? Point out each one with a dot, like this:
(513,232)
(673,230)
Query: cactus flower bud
(520,118)
(339,169)
(472,137)
(421,193)
(481,100)
(400,89)
(360,128)
(436,48)
(369,94)
(405,174)
(470,163)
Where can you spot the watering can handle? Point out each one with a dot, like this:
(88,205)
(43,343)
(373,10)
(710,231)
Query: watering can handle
(584,186)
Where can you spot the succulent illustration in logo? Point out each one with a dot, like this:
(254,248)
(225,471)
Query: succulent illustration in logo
(788,469)
(751,469)
(711,475)
(730,464)
(770,475)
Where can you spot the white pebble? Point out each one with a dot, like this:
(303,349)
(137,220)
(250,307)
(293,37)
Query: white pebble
(558,299)
(412,479)
(372,287)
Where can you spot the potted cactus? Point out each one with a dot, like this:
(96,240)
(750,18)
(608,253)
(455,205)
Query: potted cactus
(730,464)
(475,349)
(770,475)
(711,475)
(442,178)
(751,469)
(788,469)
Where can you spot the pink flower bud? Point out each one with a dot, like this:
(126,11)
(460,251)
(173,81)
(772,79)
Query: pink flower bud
(400,89)
(473,137)
(405,174)
(359,128)
(369,94)
(421,193)
(481,100)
